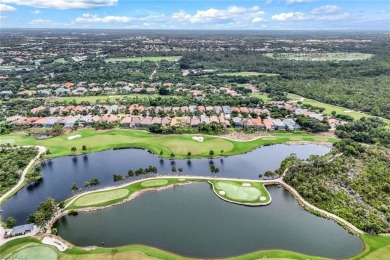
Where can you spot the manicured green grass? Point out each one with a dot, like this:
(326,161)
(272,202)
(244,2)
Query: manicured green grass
(32,251)
(177,144)
(60,60)
(98,198)
(329,108)
(242,192)
(264,97)
(376,248)
(103,98)
(138,59)
(245,74)
(154,183)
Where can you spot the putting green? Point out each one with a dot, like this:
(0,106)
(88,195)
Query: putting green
(7,141)
(100,197)
(154,183)
(239,193)
(35,252)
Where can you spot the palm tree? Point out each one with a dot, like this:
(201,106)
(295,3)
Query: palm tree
(73,149)
(74,188)
(189,154)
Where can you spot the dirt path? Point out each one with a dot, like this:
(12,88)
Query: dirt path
(154,72)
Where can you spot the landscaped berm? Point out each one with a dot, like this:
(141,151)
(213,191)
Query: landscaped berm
(251,194)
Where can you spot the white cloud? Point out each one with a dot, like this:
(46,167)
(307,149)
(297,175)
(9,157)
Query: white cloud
(36,12)
(92,18)
(323,13)
(289,16)
(6,8)
(40,22)
(326,9)
(210,17)
(234,13)
(63,4)
(290,2)
(257,20)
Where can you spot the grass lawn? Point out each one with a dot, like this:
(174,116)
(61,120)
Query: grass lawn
(138,59)
(260,95)
(241,192)
(177,144)
(154,183)
(245,74)
(97,198)
(329,108)
(60,60)
(377,248)
(111,98)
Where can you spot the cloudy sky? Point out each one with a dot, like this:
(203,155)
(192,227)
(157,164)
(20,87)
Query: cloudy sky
(197,14)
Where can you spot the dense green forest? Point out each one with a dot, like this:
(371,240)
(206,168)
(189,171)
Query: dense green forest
(356,188)
(12,163)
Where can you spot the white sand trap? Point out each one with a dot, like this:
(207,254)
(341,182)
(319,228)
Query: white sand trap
(74,137)
(347,111)
(262,198)
(198,138)
(221,192)
(246,184)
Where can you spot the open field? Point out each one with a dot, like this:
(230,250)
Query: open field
(250,193)
(329,108)
(375,246)
(326,56)
(259,95)
(111,98)
(177,144)
(245,74)
(60,60)
(138,59)
(97,198)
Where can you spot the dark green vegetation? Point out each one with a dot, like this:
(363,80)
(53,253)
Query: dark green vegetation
(44,212)
(366,130)
(355,187)
(12,162)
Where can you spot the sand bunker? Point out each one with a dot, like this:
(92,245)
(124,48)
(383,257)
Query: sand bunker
(74,137)
(347,111)
(222,192)
(262,198)
(198,138)
(246,184)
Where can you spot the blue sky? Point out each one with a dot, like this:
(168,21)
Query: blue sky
(197,14)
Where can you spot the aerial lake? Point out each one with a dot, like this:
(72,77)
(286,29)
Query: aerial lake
(191,220)
(60,173)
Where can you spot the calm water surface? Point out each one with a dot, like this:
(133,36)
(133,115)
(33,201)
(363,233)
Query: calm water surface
(192,221)
(59,174)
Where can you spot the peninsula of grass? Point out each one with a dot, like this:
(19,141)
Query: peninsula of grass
(246,74)
(179,145)
(139,59)
(245,193)
(110,196)
(376,248)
